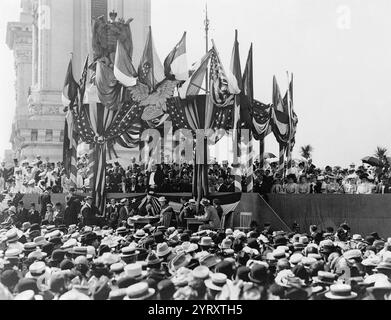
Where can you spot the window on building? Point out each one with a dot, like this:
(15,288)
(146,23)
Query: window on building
(34,135)
(49,135)
(99,8)
(62,136)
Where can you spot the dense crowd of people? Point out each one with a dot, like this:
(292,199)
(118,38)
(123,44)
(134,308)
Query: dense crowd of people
(42,261)
(302,178)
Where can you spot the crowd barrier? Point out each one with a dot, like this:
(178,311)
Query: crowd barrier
(364,213)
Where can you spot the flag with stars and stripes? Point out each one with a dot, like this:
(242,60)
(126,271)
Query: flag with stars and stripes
(280,116)
(222,88)
(261,120)
(71,139)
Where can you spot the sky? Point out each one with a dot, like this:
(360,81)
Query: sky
(339,52)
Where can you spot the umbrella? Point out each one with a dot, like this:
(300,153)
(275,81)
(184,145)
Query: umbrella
(372,161)
(271,160)
(268,155)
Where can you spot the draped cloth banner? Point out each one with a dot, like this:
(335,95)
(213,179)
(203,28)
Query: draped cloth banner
(99,126)
(199,113)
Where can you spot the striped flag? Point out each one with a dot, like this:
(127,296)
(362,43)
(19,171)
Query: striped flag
(123,67)
(91,164)
(83,81)
(70,90)
(70,148)
(245,115)
(175,64)
(150,71)
(193,85)
(237,73)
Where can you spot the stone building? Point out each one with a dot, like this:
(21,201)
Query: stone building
(43,39)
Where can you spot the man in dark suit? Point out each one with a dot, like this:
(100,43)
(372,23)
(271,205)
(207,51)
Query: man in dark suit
(73,208)
(185,185)
(112,207)
(88,212)
(44,200)
(34,215)
(221,187)
(155,178)
(22,214)
(124,212)
(231,184)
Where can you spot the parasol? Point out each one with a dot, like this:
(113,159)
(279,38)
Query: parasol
(372,161)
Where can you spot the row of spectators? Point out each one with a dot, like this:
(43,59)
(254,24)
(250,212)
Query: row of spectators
(303,178)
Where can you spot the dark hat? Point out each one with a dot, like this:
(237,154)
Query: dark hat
(126,281)
(375,235)
(57,282)
(370,239)
(66,265)
(158,236)
(258,273)
(57,256)
(102,289)
(27,284)
(152,259)
(296,294)
(48,248)
(242,273)
(252,243)
(166,289)
(280,241)
(9,278)
(185,237)
(35,226)
(225,267)
(88,237)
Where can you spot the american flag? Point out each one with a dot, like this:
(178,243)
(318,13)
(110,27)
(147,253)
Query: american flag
(261,114)
(219,86)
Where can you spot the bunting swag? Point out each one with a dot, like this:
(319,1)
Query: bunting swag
(100,126)
(280,117)
(261,120)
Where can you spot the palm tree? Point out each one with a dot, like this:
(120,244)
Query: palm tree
(381,154)
(306,151)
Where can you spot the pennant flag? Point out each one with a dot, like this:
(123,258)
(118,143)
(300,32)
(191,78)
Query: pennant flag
(277,99)
(222,87)
(123,67)
(66,146)
(70,148)
(236,71)
(248,76)
(175,64)
(198,71)
(83,81)
(150,71)
(70,91)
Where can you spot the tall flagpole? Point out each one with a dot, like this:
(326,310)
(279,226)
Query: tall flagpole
(206,24)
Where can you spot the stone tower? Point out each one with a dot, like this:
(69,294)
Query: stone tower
(43,39)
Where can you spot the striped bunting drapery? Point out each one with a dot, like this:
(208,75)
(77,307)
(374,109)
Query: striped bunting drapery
(71,138)
(98,126)
(198,113)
